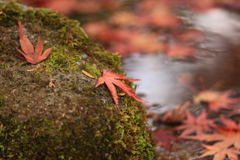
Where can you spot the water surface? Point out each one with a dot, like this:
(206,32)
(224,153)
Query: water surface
(217,62)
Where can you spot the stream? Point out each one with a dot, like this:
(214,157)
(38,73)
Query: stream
(217,62)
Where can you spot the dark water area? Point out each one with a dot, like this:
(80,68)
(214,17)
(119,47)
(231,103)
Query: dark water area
(217,62)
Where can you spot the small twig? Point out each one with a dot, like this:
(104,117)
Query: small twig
(34,69)
(200,79)
(87,74)
(51,84)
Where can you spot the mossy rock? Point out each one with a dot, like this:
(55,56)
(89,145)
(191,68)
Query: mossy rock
(73,120)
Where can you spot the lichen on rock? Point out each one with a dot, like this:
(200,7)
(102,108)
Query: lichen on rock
(56,112)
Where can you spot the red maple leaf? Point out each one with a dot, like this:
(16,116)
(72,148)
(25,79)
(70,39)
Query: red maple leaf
(165,138)
(30,55)
(111,79)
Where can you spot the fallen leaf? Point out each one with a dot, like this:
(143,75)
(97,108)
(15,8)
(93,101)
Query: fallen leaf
(195,124)
(154,116)
(165,138)
(30,55)
(114,35)
(219,152)
(64,7)
(207,137)
(177,115)
(124,49)
(146,43)
(110,4)
(236,111)
(106,34)
(216,100)
(180,51)
(159,14)
(203,5)
(111,79)
(161,19)
(125,19)
(95,28)
(232,125)
(207,96)
(189,35)
(231,132)
(227,136)
(87,6)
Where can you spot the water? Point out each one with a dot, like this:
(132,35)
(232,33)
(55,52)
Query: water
(218,62)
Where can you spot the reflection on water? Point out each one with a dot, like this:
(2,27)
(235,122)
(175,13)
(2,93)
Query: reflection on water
(221,68)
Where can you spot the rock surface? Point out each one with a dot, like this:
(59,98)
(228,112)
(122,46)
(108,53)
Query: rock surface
(56,112)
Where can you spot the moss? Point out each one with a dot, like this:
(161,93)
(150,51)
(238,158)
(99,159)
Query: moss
(62,59)
(73,120)
(69,37)
(2,101)
(92,70)
(11,14)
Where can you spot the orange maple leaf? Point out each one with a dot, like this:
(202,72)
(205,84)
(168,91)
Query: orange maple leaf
(231,133)
(111,79)
(195,124)
(176,115)
(219,152)
(217,100)
(30,55)
(228,136)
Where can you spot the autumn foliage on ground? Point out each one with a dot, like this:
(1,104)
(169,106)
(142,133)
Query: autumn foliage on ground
(217,126)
